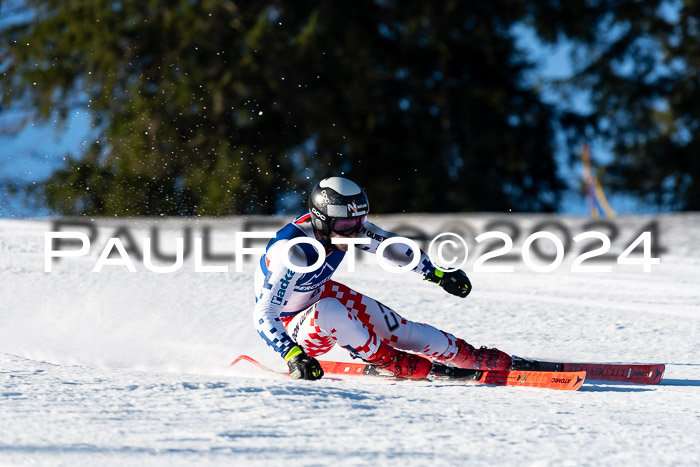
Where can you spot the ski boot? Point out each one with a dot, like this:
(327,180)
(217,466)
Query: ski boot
(400,364)
(480,359)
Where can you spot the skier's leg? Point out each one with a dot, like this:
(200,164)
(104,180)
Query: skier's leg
(328,321)
(421,338)
(391,327)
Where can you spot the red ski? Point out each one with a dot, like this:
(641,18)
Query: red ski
(627,373)
(640,374)
(564,380)
(568,381)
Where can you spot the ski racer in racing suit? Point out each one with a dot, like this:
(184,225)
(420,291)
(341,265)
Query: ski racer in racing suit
(303,315)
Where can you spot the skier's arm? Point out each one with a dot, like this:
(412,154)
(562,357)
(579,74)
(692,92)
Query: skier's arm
(453,282)
(398,253)
(278,286)
(271,300)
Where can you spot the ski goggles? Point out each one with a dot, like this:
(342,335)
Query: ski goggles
(348,226)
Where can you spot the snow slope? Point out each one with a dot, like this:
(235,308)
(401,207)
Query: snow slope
(116,368)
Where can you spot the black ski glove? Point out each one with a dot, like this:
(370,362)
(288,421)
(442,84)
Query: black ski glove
(455,282)
(301,366)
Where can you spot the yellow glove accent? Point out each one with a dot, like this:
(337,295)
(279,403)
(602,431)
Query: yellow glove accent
(435,276)
(296,350)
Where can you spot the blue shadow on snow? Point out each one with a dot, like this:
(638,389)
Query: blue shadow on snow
(679,382)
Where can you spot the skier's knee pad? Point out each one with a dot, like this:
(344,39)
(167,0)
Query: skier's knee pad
(330,313)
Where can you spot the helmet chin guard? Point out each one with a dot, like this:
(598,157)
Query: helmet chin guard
(334,203)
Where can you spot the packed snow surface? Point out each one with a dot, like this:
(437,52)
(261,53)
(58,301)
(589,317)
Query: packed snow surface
(120,368)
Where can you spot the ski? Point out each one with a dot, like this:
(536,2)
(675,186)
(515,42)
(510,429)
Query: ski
(568,381)
(639,374)
(523,368)
(563,380)
(627,373)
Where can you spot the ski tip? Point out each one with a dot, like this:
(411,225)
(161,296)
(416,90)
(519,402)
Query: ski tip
(657,373)
(579,379)
(247,359)
(565,381)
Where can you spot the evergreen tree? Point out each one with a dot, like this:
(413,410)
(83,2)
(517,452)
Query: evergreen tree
(640,64)
(212,107)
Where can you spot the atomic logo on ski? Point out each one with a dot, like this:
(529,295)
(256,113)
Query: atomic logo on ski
(561,380)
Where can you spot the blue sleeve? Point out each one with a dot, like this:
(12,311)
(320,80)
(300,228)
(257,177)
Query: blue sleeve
(272,298)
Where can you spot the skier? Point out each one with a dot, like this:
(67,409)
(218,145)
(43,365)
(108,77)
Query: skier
(303,315)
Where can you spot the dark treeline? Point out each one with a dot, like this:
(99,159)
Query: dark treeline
(217,107)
